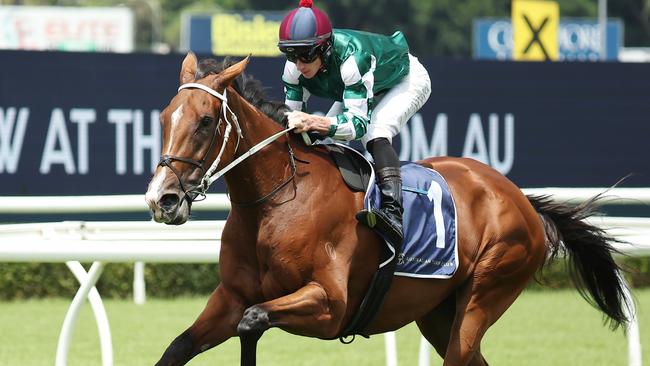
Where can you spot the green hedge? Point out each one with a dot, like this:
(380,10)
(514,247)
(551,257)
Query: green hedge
(34,280)
(555,275)
(29,280)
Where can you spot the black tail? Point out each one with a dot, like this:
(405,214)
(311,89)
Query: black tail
(589,252)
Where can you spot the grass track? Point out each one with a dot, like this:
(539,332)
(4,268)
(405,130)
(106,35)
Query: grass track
(541,328)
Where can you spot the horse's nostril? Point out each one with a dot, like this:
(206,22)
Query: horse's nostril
(168,202)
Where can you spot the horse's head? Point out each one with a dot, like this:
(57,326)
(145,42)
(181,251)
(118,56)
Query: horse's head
(196,126)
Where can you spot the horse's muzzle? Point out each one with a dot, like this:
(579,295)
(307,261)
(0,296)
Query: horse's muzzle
(169,207)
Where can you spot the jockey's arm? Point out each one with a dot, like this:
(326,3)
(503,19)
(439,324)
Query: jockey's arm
(352,123)
(356,73)
(296,99)
(295,96)
(305,122)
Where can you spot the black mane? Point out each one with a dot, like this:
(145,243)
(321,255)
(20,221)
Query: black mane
(249,88)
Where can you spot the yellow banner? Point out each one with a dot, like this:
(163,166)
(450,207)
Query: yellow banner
(233,35)
(535,27)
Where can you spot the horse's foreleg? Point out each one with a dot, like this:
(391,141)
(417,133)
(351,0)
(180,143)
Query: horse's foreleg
(216,323)
(308,311)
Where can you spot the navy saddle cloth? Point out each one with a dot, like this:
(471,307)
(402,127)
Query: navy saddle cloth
(430,226)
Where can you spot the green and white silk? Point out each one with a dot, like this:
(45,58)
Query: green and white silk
(360,66)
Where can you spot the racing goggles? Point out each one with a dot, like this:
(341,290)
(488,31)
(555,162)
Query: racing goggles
(306,54)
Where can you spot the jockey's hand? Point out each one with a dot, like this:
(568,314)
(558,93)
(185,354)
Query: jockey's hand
(305,122)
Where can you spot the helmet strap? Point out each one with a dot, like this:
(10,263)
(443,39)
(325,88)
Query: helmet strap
(326,52)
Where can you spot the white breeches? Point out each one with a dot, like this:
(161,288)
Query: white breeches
(396,106)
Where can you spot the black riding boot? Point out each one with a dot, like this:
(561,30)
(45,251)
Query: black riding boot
(388,219)
(390,185)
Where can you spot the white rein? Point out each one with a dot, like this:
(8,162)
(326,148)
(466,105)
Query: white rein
(210,175)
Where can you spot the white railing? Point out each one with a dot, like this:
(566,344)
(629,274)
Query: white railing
(220,202)
(197,241)
(102,242)
(95,204)
(633,196)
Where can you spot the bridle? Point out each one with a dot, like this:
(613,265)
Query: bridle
(199,192)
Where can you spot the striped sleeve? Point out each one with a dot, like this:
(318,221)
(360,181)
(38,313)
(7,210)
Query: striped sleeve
(295,96)
(358,78)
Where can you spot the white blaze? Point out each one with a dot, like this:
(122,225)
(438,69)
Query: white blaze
(176,118)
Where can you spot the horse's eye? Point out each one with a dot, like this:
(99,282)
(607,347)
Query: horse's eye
(206,121)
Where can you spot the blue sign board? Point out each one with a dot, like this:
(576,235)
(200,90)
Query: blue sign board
(579,39)
(82,123)
(196,33)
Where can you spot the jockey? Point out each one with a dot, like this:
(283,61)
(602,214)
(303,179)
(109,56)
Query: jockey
(376,85)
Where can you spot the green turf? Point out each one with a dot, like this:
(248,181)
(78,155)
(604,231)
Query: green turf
(542,328)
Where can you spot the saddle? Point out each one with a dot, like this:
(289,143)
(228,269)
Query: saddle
(355,169)
(357,172)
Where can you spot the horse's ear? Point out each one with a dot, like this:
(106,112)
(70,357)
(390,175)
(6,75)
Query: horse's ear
(188,69)
(228,75)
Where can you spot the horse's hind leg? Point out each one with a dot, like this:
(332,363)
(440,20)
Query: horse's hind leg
(436,328)
(500,275)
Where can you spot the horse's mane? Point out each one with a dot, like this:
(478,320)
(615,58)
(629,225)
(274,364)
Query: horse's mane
(248,87)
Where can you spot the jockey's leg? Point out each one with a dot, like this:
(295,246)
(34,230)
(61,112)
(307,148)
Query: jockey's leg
(390,184)
(393,110)
(389,217)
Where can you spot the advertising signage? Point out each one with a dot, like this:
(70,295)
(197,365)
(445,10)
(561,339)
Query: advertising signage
(232,33)
(66,28)
(578,39)
(88,123)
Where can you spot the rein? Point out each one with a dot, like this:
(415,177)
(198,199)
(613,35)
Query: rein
(211,175)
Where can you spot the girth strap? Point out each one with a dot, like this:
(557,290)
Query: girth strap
(372,301)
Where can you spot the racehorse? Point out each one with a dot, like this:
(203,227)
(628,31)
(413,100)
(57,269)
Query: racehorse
(293,256)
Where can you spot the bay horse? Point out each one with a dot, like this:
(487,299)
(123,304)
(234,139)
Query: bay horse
(293,256)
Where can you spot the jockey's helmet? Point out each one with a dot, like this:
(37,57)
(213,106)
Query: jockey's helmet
(305,33)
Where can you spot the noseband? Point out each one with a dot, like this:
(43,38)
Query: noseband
(198,193)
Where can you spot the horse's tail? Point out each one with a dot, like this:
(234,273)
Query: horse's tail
(590,255)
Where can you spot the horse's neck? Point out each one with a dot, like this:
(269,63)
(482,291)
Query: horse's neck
(263,171)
